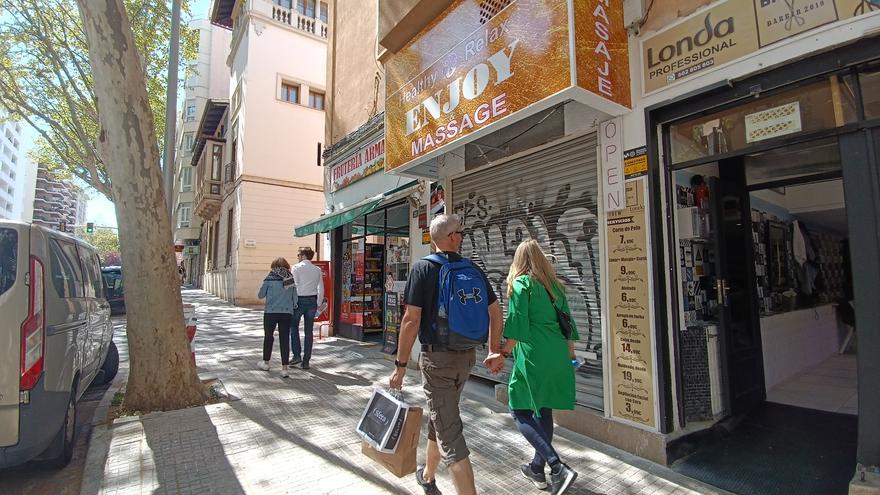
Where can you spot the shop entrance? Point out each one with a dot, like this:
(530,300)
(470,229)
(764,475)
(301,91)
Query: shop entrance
(766,287)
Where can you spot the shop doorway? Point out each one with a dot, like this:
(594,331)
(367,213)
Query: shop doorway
(766,305)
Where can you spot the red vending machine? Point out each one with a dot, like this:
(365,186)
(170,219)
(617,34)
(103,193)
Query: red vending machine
(326,316)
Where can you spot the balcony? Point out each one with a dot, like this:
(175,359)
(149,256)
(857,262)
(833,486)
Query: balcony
(207,199)
(298,21)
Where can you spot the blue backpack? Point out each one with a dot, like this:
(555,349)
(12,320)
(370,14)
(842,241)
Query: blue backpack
(462,300)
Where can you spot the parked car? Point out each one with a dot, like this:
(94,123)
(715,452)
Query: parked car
(56,339)
(115,290)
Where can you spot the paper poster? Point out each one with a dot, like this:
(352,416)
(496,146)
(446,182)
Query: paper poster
(632,364)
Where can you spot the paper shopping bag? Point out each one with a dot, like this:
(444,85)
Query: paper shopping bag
(382,421)
(403,461)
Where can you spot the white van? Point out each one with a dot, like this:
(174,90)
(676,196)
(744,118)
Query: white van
(56,338)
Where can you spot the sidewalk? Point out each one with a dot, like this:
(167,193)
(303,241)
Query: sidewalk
(296,435)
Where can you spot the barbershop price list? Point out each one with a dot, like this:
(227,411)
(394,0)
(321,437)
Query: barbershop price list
(632,367)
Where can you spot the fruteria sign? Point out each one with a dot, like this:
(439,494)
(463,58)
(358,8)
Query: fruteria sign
(733,29)
(366,161)
(473,68)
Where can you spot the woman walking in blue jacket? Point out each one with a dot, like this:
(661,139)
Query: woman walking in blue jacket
(280,293)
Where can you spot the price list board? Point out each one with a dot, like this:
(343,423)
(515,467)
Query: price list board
(632,362)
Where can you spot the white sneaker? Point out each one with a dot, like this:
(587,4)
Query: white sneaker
(263,365)
(284,371)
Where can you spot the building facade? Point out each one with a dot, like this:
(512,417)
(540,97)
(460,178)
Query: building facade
(257,153)
(207,79)
(58,202)
(700,173)
(17,173)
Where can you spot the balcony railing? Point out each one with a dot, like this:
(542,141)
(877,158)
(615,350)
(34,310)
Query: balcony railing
(294,19)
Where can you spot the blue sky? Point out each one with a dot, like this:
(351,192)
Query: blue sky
(100,210)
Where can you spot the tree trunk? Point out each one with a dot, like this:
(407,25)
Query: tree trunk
(161,375)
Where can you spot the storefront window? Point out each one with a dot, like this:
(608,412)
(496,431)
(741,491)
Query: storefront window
(870,86)
(822,105)
(375,263)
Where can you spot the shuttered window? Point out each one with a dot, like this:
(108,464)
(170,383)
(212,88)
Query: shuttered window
(551,196)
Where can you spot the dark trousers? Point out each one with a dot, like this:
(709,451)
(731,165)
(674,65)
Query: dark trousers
(539,433)
(282,321)
(306,307)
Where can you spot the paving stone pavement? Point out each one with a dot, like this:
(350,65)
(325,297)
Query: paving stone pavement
(296,435)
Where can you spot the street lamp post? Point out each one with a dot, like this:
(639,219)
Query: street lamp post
(171,106)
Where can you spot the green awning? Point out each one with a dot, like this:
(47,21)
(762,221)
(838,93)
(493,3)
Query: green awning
(330,221)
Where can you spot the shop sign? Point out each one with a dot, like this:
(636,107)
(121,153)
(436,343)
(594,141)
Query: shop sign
(459,76)
(631,357)
(366,161)
(635,162)
(773,122)
(190,250)
(780,19)
(728,31)
(426,237)
(611,156)
(392,311)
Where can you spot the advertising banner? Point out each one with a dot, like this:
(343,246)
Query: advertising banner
(476,65)
(631,357)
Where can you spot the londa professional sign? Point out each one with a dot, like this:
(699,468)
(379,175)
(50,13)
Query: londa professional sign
(709,39)
(460,76)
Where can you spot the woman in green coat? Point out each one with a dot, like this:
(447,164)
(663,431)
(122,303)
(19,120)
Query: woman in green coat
(542,378)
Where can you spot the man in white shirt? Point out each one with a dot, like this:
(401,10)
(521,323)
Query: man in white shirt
(310,289)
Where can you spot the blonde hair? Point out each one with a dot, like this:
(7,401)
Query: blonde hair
(530,260)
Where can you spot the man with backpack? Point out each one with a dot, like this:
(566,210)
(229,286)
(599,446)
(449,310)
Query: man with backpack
(452,308)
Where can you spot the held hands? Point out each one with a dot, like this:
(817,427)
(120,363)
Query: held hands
(494,362)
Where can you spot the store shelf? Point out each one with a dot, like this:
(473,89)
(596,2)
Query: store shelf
(373,270)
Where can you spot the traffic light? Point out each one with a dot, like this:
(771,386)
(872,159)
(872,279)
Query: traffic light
(62,226)
(90,228)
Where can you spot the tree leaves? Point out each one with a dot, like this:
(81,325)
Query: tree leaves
(46,80)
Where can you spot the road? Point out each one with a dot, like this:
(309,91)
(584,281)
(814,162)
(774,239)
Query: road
(34,478)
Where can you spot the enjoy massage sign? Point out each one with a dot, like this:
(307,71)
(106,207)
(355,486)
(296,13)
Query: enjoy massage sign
(471,68)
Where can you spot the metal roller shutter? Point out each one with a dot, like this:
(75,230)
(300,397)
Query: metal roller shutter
(550,196)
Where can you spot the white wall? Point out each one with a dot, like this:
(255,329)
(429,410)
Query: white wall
(280,139)
(795,341)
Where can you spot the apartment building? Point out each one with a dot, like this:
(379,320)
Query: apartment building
(257,153)
(207,79)
(57,201)
(17,173)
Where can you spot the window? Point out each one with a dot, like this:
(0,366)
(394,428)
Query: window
(8,258)
(92,280)
(66,275)
(229,226)
(216,159)
(185,178)
(306,7)
(323,12)
(216,240)
(187,143)
(290,92)
(316,100)
(183,216)
(284,3)
(190,110)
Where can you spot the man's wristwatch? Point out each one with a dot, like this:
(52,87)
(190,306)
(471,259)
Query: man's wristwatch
(400,364)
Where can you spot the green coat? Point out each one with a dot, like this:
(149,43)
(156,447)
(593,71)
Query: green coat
(542,375)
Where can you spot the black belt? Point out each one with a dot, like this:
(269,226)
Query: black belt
(315,296)
(441,348)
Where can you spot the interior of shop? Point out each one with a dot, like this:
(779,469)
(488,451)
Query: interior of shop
(799,268)
(375,262)
(767,307)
